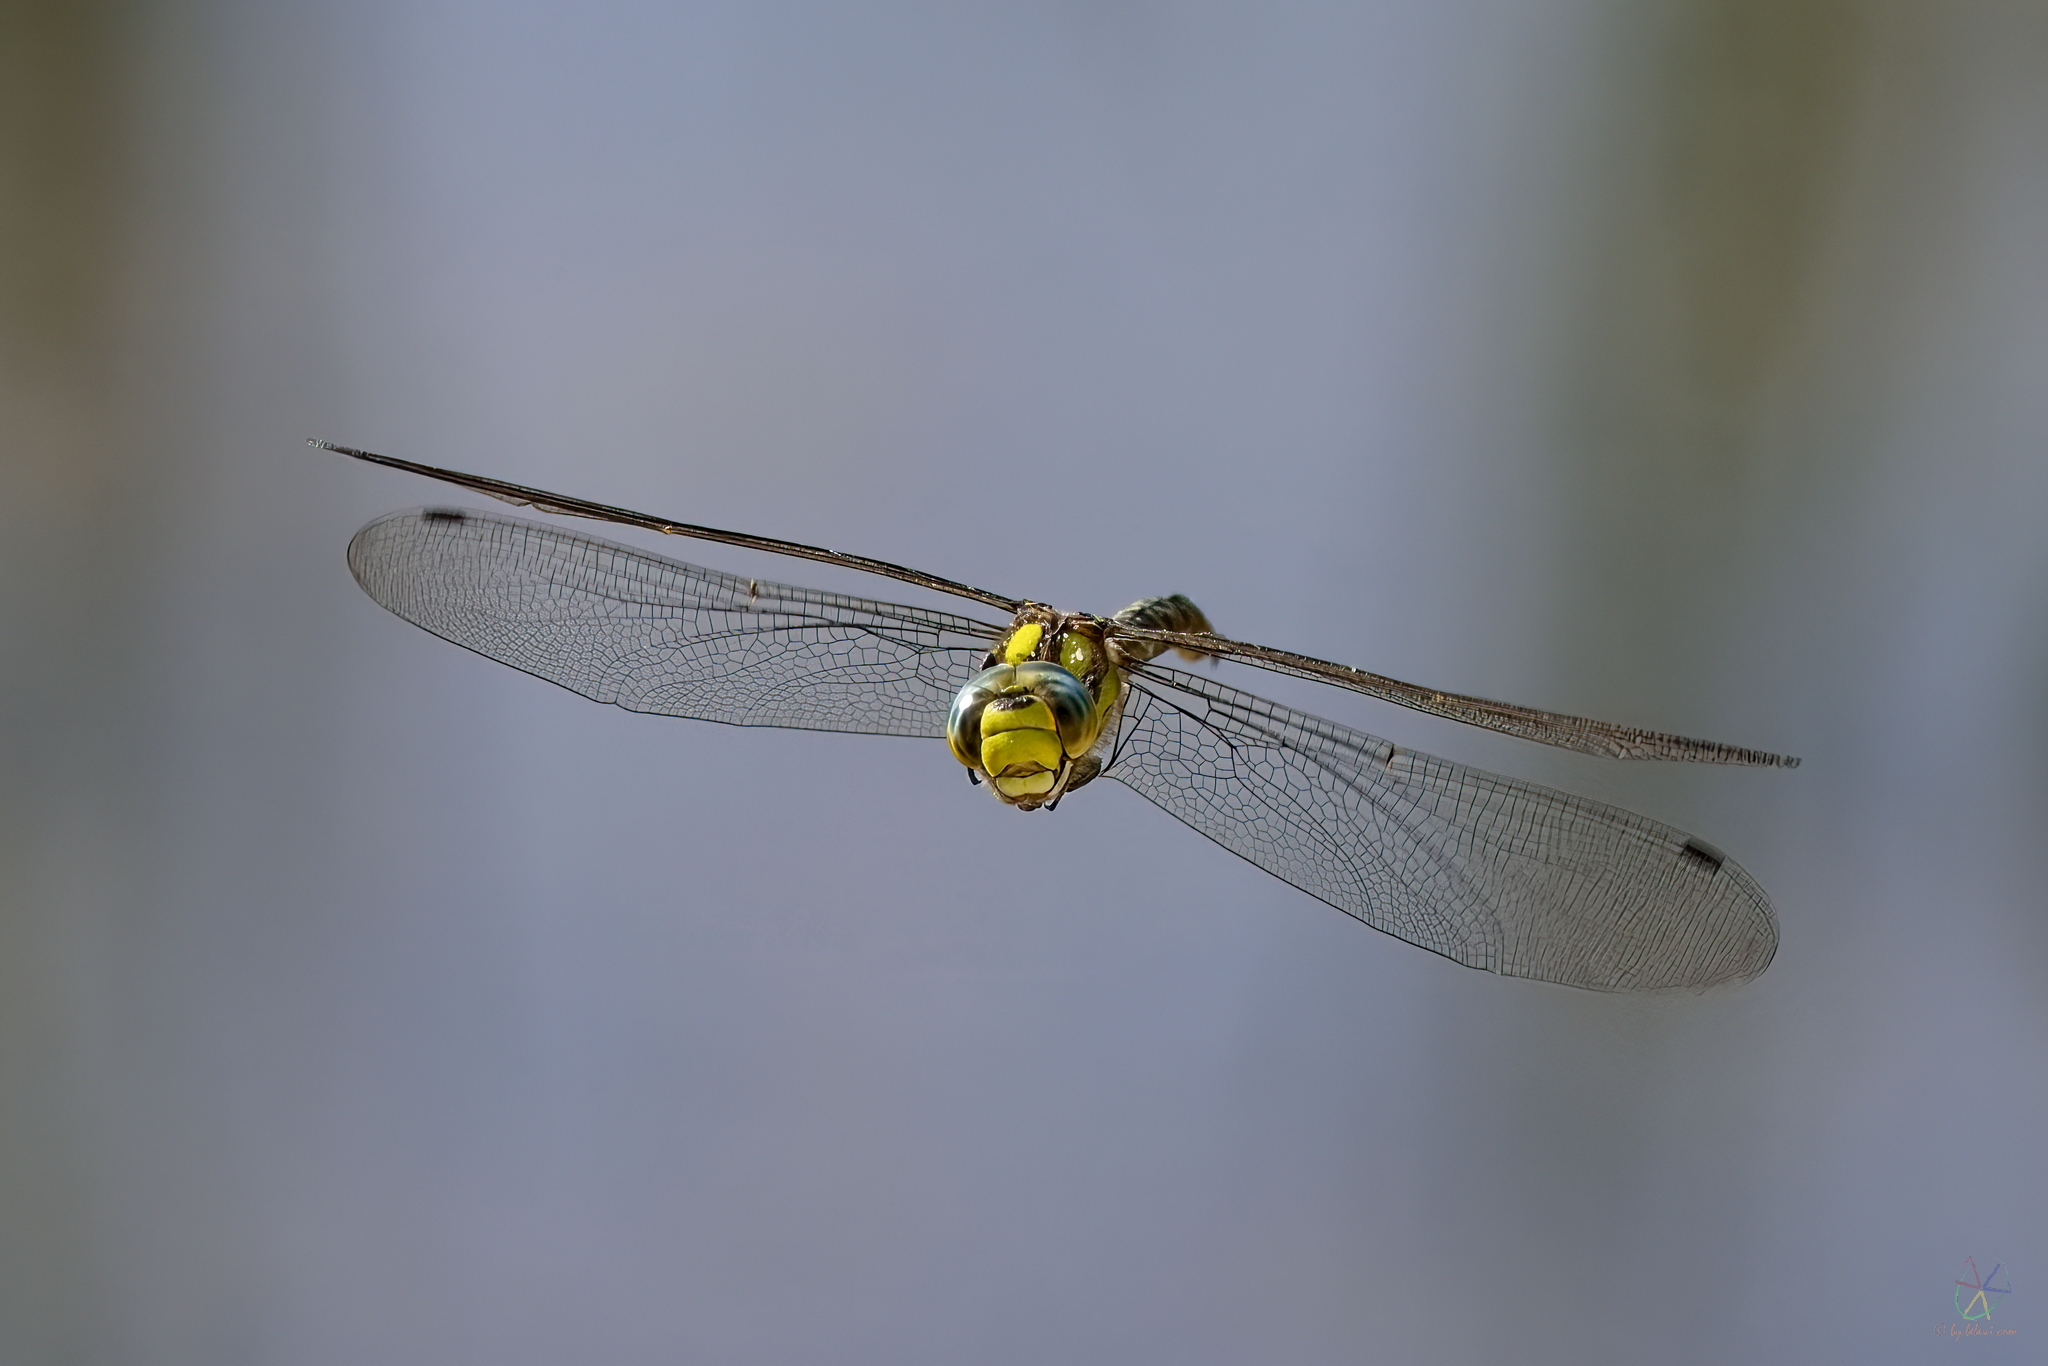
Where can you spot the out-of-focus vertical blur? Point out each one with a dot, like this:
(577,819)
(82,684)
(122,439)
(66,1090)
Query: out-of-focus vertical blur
(361,1000)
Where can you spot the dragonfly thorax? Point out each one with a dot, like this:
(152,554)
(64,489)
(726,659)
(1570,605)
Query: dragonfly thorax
(1031,720)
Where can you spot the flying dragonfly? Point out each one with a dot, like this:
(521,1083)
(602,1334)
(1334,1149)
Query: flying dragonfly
(1488,871)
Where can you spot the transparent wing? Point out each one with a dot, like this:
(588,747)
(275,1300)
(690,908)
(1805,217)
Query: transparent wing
(651,634)
(1580,733)
(1491,872)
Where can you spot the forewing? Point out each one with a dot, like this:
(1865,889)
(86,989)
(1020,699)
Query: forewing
(651,634)
(1492,872)
(1580,733)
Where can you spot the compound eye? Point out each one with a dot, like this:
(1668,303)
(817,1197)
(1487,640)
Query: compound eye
(1073,710)
(963,722)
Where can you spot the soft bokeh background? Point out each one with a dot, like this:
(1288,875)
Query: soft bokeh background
(360,1000)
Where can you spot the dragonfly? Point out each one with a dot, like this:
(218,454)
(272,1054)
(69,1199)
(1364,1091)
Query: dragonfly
(1036,703)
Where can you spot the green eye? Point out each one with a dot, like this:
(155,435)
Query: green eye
(963,722)
(1073,710)
(1028,696)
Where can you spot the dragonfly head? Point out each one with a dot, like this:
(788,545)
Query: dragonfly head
(1027,722)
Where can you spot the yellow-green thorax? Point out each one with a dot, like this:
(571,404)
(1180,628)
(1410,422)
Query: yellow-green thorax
(1045,701)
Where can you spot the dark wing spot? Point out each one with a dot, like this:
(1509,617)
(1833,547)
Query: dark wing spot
(1706,855)
(441,515)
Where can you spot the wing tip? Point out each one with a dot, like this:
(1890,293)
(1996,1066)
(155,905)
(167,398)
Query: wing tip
(1698,851)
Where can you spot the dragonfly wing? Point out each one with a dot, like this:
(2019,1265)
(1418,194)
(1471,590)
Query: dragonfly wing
(1581,733)
(651,634)
(1488,871)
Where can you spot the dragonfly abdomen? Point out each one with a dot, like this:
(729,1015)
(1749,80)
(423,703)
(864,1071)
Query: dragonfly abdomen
(1176,612)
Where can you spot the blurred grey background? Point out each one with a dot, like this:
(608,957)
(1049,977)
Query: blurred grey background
(1679,363)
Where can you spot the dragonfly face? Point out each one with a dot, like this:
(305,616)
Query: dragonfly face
(1031,720)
